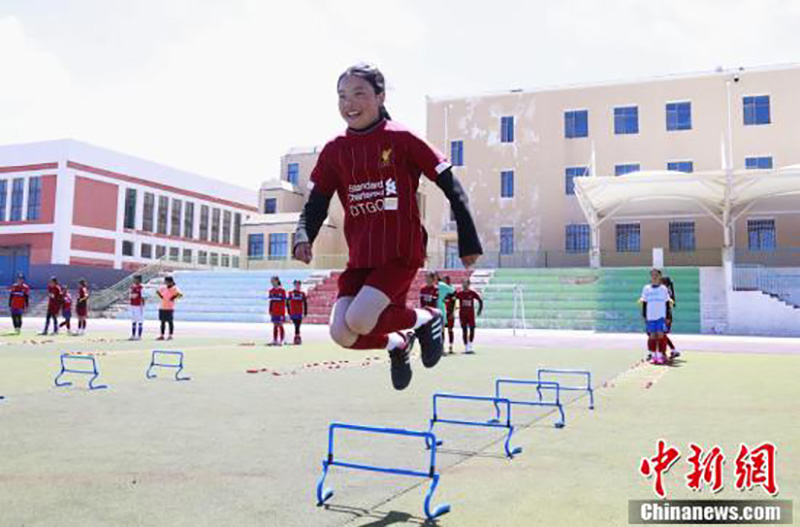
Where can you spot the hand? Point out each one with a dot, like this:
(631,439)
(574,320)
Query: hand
(302,252)
(470,260)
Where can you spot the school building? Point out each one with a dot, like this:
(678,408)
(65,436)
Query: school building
(74,210)
(520,152)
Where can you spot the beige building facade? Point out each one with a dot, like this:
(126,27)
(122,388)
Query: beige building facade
(518,152)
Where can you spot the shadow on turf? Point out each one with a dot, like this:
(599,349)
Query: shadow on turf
(381,519)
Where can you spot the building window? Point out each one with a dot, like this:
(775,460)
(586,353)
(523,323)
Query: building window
(188,220)
(627,168)
(214,260)
(457,153)
(202,257)
(577,238)
(187,256)
(626,120)
(681,236)
(174,254)
(3,193)
(761,235)
(226,260)
(293,173)
(161,252)
(255,246)
(177,209)
(237,230)
(451,258)
(758,163)
(278,246)
(507,184)
(679,116)
(571,173)
(756,110)
(227,219)
(506,240)
(17,192)
(149,210)
(204,223)
(163,205)
(215,223)
(146,251)
(507,129)
(127,248)
(628,238)
(576,124)
(129,221)
(34,198)
(235,262)
(680,166)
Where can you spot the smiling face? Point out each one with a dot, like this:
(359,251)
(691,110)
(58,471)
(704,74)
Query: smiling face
(359,105)
(655,277)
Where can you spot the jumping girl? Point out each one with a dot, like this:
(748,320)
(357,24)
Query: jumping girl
(374,167)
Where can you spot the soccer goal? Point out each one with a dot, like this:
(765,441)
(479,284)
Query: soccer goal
(506,303)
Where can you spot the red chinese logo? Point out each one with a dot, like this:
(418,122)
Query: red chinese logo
(705,469)
(756,467)
(659,465)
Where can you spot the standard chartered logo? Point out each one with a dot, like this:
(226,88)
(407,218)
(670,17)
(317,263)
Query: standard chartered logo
(373,197)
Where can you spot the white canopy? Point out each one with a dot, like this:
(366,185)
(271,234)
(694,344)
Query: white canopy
(722,195)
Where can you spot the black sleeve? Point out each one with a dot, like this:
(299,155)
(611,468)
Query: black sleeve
(468,241)
(311,219)
(644,309)
(305,305)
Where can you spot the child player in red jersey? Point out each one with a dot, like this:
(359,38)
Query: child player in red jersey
(374,168)
(298,308)
(66,309)
(277,311)
(429,294)
(18,299)
(466,314)
(450,312)
(136,298)
(53,305)
(82,306)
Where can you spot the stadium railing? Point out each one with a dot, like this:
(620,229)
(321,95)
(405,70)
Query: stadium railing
(102,300)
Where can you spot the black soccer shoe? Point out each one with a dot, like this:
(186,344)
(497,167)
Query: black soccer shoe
(431,339)
(401,367)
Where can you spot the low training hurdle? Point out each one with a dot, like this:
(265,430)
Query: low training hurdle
(93,372)
(324,494)
(554,372)
(510,452)
(179,366)
(547,385)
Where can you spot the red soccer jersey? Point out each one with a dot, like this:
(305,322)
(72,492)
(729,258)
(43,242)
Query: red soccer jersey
(54,295)
(18,296)
(136,296)
(450,304)
(467,300)
(277,301)
(429,296)
(297,302)
(376,174)
(83,295)
(66,301)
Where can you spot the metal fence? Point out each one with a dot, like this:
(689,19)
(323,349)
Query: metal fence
(783,284)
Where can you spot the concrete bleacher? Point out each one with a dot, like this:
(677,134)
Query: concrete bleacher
(586,299)
(221,296)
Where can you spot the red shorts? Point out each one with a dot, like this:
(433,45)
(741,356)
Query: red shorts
(82,310)
(393,279)
(451,320)
(466,319)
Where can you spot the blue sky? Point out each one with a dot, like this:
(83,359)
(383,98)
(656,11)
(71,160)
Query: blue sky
(224,87)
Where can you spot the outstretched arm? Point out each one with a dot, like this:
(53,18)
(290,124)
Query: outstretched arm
(469,244)
(311,219)
(480,303)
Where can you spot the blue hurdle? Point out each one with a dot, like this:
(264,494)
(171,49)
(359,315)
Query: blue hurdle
(324,494)
(547,385)
(178,366)
(510,452)
(93,372)
(585,373)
